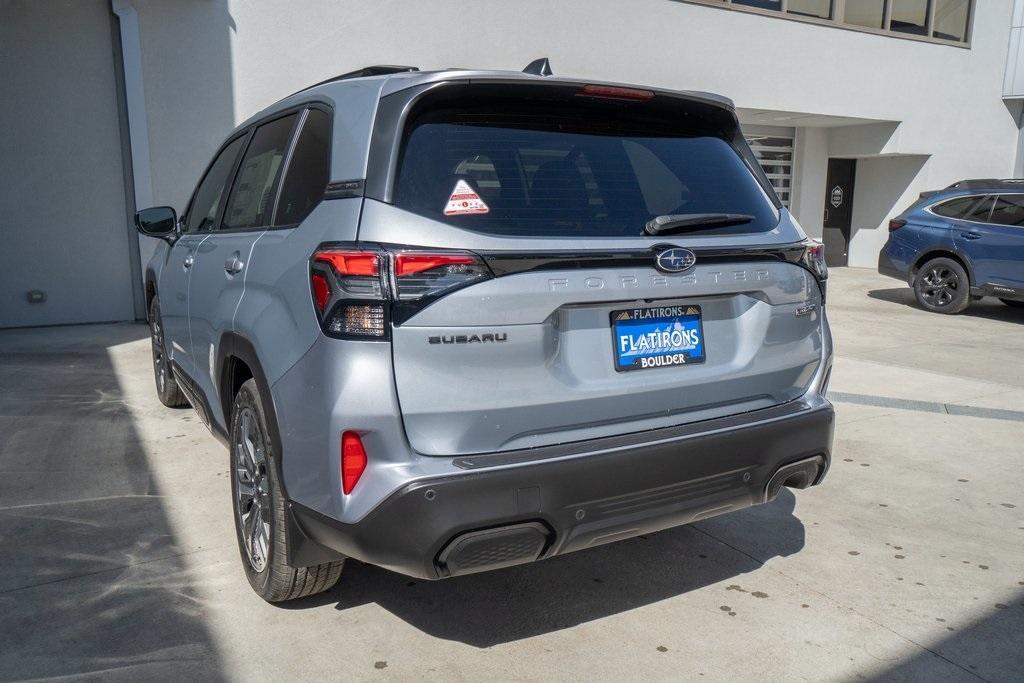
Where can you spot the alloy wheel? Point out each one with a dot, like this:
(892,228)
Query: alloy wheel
(252,489)
(159,358)
(939,286)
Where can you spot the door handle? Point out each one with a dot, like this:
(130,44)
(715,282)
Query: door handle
(971,235)
(234,265)
(189,260)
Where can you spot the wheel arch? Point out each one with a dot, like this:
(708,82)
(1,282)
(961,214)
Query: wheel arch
(237,362)
(943,252)
(150,289)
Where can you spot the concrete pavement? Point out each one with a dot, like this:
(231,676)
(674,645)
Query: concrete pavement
(119,558)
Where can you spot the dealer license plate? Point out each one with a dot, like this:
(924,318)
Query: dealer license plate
(657,337)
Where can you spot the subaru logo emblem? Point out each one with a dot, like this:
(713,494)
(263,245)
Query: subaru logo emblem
(675,260)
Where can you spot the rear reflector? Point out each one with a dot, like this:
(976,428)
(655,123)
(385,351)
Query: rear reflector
(896,223)
(353,461)
(615,93)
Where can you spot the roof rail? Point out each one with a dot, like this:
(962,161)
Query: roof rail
(987,183)
(375,70)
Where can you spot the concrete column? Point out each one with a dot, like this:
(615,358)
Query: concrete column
(135,109)
(810,165)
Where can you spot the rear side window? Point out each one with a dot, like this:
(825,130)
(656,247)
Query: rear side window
(955,208)
(203,212)
(306,179)
(573,168)
(1009,210)
(972,208)
(252,195)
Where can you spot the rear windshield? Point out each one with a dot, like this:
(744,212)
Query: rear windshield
(576,168)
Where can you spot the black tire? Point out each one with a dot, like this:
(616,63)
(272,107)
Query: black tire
(941,286)
(263,511)
(167,388)
(1012,303)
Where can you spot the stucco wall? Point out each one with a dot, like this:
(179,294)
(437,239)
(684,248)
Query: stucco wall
(63,218)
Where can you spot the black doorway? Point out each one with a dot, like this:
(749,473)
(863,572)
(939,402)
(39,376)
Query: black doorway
(838,210)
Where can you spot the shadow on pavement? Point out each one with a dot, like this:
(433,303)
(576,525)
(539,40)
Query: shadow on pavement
(530,600)
(988,308)
(987,649)
(92,579)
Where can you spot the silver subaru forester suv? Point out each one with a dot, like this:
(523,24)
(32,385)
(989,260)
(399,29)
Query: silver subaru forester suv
(453,321)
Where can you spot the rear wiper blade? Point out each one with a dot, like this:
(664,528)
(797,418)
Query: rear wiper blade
(680,222)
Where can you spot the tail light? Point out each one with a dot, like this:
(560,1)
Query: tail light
(814,258)
(896,223)
(348,288)
(431,274)
(358,291)
(353,461)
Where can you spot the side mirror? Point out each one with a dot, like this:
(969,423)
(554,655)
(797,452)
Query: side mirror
(160,222)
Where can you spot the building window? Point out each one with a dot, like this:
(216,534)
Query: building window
(866,13)
(946,21)
(909,16)
(822,9)
(763,4)
(951,19)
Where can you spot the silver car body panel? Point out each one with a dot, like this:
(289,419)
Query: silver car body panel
(418,407)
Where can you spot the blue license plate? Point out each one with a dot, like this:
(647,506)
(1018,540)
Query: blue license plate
(657,337)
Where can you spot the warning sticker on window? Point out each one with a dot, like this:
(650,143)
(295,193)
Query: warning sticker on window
(465,200)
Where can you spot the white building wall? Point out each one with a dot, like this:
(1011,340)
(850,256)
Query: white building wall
(209,64)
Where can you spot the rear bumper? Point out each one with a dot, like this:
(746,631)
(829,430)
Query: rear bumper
(889,266)
(511,508)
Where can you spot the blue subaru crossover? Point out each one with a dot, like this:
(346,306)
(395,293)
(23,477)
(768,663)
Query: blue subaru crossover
(961,243)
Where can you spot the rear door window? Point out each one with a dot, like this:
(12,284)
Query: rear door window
(306,179)
(252,195)
(1008,210)
(980,211)
(572,169)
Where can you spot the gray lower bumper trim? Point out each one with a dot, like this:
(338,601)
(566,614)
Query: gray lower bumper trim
(607,495)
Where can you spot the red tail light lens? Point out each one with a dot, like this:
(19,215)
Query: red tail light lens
(896,223)
(358,263)
(426,274)
(410,264)
(353,461)
(321,291)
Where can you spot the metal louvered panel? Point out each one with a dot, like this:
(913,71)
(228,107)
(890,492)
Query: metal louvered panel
(775,154)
